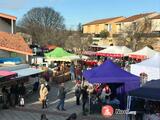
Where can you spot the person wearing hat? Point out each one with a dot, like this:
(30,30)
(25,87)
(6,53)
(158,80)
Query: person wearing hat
(43,95)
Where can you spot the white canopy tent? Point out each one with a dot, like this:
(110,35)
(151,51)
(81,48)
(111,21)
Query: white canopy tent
(151,67)
(144,53)
(118,51)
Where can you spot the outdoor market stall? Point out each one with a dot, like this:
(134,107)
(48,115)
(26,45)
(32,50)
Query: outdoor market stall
(144,53)
(149,96)
(58,54)
(151,67)
(110,73)
(61,73)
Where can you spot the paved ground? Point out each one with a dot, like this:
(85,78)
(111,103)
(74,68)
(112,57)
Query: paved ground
(33,111)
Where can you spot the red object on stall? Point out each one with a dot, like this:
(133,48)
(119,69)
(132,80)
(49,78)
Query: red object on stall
(90,63)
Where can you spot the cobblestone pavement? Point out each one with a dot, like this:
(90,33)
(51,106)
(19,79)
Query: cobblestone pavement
(33,111)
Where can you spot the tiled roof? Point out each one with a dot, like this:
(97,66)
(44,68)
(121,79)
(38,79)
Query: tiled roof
(156,17)
(14,43)
(135,17)
(7,16)
(50,47)
(103,20)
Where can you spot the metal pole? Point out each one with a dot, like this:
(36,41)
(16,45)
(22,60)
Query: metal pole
(89,103)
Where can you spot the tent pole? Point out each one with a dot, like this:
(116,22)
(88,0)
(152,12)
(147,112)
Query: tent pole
(128,105)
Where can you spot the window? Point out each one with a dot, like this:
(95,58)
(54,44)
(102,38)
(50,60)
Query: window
(109,27)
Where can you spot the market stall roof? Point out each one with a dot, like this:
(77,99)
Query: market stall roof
(27,72)
(77,57)
(145,52)
(152,62)
(108,72)
(4,73)
(150,91)
(151,67)
(114,51)
(57,53)
(89,53)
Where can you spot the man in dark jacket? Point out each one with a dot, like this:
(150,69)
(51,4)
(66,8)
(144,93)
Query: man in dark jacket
(84,98)
(78,93)
(61,97)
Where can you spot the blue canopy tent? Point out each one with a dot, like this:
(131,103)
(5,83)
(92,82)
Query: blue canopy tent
(108,72)
(148,92)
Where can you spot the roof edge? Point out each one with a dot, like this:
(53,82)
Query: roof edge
(8,16)
(17,51)
(90,23)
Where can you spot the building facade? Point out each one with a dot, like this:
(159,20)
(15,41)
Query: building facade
(95,27)
(7,23)
(135,22)
(155,24)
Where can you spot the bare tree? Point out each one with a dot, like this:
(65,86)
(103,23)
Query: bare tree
(78,41)
(44,24)
(135,34)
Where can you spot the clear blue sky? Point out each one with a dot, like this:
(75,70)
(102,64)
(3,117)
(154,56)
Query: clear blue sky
(82,11)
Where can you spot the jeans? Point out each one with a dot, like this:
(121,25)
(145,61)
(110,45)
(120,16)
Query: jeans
(61,104)
(72,76)
(83,106)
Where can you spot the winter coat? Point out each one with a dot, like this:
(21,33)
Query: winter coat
(61,93)
(43,93)
(78,92)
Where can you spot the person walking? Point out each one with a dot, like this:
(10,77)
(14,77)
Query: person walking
(84,99)
(72,71)
(61,96)
(43,95)
(78,93)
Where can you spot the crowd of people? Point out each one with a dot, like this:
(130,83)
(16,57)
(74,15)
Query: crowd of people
(13,96)
(94,95)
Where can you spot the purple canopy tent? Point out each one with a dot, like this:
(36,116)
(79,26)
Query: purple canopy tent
(108,72)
